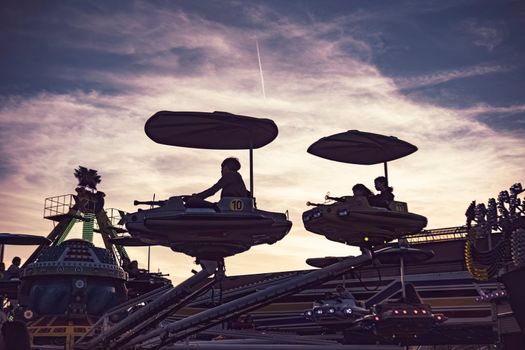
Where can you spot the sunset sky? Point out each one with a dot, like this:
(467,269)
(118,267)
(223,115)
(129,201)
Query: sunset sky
(79,79)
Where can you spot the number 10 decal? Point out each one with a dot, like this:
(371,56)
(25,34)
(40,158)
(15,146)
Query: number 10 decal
(236,205)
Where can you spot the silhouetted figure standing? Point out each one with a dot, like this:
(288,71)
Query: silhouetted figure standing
(14,270)
(231,183)
(385,196)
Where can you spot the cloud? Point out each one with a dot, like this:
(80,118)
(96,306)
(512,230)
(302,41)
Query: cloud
(172,40)
(482,108)
(314,88)
(510,119)
(448,75)
(488,35)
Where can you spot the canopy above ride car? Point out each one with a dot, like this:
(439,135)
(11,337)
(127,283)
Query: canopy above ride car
(22,239)
(392,255)
(359,147)
(217,130)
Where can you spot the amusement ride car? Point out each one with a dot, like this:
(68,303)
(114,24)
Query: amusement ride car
(352,219)
(336,308)
(408,316)
(231,226)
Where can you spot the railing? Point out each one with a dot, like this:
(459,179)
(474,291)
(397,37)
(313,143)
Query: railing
(114,215)
(439,234)
(58,206)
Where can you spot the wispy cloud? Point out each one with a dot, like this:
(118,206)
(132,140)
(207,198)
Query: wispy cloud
(484,34)
(448,75)
(484,108)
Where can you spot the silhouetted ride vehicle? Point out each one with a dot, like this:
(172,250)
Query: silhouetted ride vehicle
(407,317)
(231,226)
(207,233)
(351,219)
(335,309)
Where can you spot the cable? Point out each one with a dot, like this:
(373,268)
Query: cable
(364,285)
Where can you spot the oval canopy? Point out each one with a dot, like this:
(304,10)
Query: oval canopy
(392,255)
(22,239)
(359,147)
(217,130)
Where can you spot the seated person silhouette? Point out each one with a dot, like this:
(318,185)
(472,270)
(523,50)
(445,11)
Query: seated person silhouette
(385,196)
(231,183)
(133,269)
(362,190)
(13,272)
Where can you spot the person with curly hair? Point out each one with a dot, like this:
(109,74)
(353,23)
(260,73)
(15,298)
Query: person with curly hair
(231,184)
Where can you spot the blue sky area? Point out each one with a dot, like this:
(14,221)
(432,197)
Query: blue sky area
(408,39)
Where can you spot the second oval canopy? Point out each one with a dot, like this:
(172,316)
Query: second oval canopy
(359,147)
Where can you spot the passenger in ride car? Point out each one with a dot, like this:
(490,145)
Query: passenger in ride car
(231,183)
(13,271)
(385,196)
(362,190)
(133,269)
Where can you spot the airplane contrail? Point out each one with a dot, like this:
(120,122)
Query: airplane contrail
(260,67)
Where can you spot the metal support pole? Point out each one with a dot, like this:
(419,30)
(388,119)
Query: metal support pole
(386,172)
(402,276)
(251,171)
(149,257)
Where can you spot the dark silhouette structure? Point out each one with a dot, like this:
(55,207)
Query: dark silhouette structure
(352,219)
